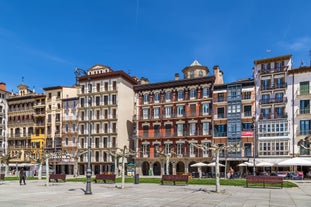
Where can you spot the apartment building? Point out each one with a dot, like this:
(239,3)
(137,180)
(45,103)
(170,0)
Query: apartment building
(273,108)
(170,116)
(3,118)
(54,121)
(299,80)
(21,124)
(38,137)
(70,134)
(106,101)
(234,111)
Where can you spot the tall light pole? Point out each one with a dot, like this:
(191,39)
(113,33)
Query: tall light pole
(78,72)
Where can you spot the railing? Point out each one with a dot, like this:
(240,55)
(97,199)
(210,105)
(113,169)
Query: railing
(303,132)
(273,100)
(302,92)
(220,134)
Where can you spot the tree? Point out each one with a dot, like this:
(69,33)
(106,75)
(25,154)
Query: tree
(123,153)
(216,148)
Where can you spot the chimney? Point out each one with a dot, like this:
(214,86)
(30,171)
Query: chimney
(144,81)
(176,76)
(2,86)
(218,75)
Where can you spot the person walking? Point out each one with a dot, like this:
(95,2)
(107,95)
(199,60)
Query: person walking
(22,176)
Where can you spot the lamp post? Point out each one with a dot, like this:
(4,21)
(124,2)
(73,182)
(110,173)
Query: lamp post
(78,72)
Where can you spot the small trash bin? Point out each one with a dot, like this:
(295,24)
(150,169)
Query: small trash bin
(136,180)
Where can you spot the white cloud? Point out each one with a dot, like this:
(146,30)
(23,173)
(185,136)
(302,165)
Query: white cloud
(299,44)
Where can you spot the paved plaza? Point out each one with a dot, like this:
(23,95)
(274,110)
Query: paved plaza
(36,193)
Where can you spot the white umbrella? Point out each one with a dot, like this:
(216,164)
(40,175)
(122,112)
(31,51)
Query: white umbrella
(213,164)
(264,164)
(246,164)
(199,165)
(296,161)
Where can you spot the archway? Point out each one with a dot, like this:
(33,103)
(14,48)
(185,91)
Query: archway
(156,168)
(180,168)
(145,168)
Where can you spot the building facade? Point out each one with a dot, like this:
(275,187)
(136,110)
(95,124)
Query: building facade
(106,108)
(3,119)
(54,122)
(273,108)
(300,86)
(234,113)
(172,115)
(21,124)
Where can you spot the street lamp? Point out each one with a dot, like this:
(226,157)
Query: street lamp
(78,72)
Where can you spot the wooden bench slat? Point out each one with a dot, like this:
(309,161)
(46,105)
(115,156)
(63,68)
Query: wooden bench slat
(105,177)
(174,178)
(264,180)
(57,177)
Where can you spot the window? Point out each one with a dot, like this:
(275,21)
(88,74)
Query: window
(114,85)
(193,129)
(180,130)
(305,127)
(247,95)
(279,83)
(205,108)
(145,113)
(265,84)
(66,141)
(180,149)
(114,99)
(105,100)
(193,94)
(278,66)
(168,130)
(220,112)
(145,131)
(180,111)
(265,98)
(304,106)
(146,98)
(168,96)
(106,86)
(304,88)
(191,74)
(82,102)
(247,111)
(97,99)
(157,97)
(279,111)
(156,112)
(156,130)
(98,87)
(168,111)
(279,97)
(200,73)
(205,92)
(220,130)
(205,126)
(221,97)
(180,95)
(265,113)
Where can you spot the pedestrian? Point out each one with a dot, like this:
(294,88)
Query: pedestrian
(22,176)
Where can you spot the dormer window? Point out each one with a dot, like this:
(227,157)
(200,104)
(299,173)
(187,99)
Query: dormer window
(191,74)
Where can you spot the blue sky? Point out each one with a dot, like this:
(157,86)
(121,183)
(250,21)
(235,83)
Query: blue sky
(43,41)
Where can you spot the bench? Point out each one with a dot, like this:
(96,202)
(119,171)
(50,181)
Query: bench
(264,180)
(2,176)
(57,177)
(174,178)
(105,177)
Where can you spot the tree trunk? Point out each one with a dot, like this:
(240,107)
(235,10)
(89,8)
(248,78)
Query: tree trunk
(217,171)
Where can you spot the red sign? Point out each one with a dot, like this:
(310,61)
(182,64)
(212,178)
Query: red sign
(247,133)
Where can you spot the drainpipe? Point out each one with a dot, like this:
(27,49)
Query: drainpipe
(293,115)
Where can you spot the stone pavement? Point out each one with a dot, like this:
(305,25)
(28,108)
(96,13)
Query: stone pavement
(36,193)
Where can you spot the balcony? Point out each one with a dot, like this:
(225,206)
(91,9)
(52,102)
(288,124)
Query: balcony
(273,100)
(280,115)
(303,111)
(280,86)
(220,134)
(265,116)
(303,92)
(247,114)
(303,132)
(266,87)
